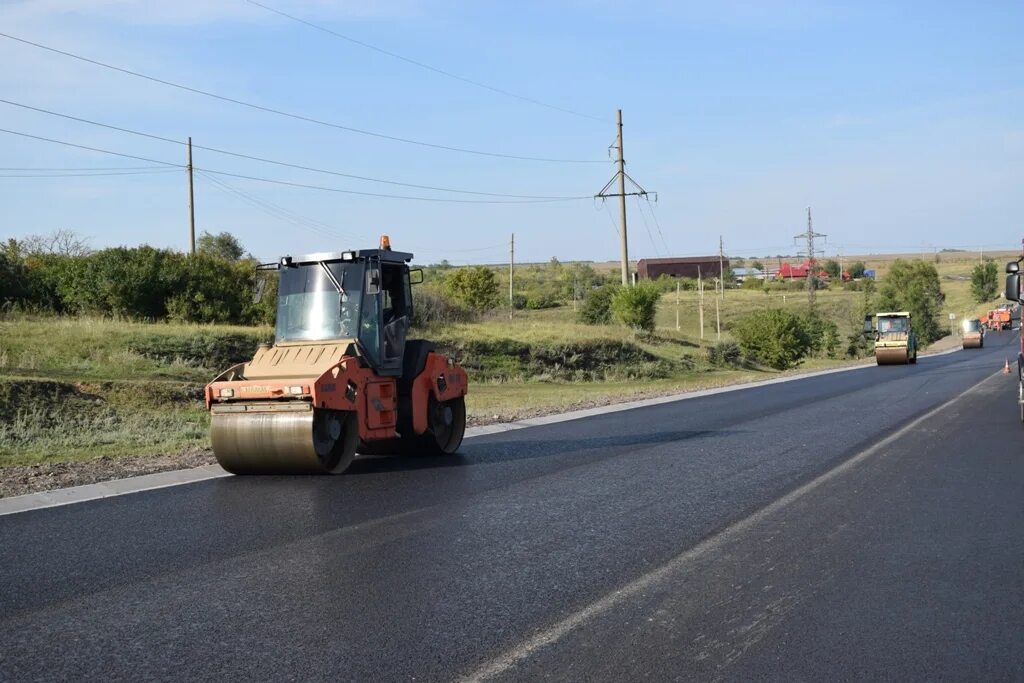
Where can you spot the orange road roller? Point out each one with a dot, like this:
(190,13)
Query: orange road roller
(340,377)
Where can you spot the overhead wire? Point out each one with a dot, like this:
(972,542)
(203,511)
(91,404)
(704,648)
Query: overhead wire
(80,168)
(292,115)
(312,224)
(657,224)
(275,162)
(423,65)
(85,175)
(277,211)
(293,183)
(647,227)
(615,228)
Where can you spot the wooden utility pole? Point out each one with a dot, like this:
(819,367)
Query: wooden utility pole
(191,205)
(700,298)
(677,306)
(721,265)
(718,320)
(621,177)
(511,275)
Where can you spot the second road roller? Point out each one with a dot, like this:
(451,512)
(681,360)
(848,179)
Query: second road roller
(340,377)
(895,341)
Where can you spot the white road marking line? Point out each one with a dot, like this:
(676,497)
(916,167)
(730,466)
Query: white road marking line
(552,634)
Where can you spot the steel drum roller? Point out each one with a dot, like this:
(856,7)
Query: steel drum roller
(897,355)
(283,438)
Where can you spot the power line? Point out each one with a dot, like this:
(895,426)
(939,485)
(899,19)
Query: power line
(276,211)
(657,224)
(296,184)
(647,227)
(91,149)
(615,228)
(82,168)
(275,162)
(308,186)
(424,66)
(279,212)
(83,175)
(291,115)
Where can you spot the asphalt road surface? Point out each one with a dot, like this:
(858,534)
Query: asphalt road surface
(860,525)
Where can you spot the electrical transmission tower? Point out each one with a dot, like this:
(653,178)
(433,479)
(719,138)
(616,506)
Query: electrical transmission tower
(812,262)
(620,178)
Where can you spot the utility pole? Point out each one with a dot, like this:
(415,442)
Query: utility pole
(718,319)
(700,296)
(721,265)
(811,261)
(623,242)
(677,306)
(511,275)
(620,179)
(575,286)
(191,205)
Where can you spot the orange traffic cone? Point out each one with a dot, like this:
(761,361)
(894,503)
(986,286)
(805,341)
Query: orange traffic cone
(1006,367)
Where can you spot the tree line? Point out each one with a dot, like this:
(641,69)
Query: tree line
(59,273)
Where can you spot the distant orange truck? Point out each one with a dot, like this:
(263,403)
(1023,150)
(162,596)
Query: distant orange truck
(999,319)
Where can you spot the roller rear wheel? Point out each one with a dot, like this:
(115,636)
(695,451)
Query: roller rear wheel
(446,426)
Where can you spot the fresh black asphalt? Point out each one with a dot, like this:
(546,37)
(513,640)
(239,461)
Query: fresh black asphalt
(906,565)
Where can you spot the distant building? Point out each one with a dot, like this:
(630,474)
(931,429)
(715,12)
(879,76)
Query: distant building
(790,272)
(742,274)
(706,266)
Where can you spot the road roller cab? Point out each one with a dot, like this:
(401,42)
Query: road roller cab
(895,341)
(341,375)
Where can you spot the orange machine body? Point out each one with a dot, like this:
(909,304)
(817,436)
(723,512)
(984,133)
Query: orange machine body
(345,385)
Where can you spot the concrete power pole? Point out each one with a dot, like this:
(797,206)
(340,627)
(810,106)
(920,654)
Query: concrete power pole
(620,179)
(624,243)
(811,261)
(191,205)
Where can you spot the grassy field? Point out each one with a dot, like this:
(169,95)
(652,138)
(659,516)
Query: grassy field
(81,388)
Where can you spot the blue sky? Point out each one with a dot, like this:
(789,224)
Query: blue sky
(899,123)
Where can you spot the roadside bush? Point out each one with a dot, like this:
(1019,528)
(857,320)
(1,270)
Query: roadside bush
(13,276)
(213,290)
(542,301)
(984,281)
(822,334)
(432,308)
(635,307)
(773,337)
(597,306)
(724,354)
(752,283)
(475,288)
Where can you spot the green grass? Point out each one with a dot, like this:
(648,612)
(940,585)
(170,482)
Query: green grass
(57,421)
(96,348)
